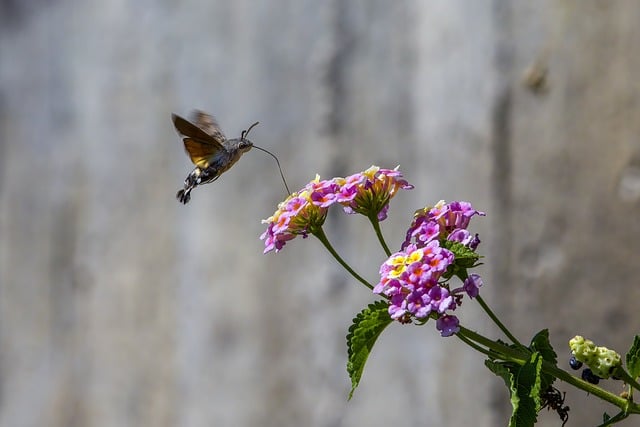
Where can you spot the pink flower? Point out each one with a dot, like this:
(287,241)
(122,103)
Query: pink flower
(323,193)
(416,279)
(295,216)
(410,278)
(448,325)
(472,285)
(369,192)
(443,221)
(366,192)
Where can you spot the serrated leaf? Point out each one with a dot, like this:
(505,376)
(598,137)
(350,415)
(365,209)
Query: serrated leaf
(363,333)
(464,256)
(633,358)
(501,370)
(525,393)
(541,344)
(608,420)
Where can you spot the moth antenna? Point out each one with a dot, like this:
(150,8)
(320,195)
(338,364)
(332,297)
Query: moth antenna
(244,133)
(277,161)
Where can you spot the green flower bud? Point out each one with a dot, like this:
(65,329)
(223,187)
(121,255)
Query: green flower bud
(584,350)
(602,361)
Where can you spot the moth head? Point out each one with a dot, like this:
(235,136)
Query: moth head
(246,145)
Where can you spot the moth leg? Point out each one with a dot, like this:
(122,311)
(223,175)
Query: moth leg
(191,181)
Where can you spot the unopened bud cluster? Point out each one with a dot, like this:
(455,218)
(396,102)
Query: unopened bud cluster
(602,361)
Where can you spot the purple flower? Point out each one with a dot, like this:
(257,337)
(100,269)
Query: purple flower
(460,235)
(472,285)
(443,221)
(439,258)
(418,303)
(418,274)
(440,299)
(368,192)
(410,278)
(447,325)
(473,244)
(300,212)
(397,307)
(422,231)
(460,214)
(323,193)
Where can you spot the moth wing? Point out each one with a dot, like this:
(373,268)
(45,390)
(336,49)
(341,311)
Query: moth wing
(209,124)
(200,152)
(199,145)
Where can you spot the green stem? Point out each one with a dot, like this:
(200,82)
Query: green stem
(624,376)
(590,388)
(319,233)
(474,345)
(376,226)
(500,351)
(613,420)
(497,321)
(503,352)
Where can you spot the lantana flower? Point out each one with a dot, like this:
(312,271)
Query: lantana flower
(443,221)
(298,214)
(369,192)
(304,211)
(411,279)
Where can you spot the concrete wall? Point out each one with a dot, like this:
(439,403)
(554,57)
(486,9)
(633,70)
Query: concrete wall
(120,307)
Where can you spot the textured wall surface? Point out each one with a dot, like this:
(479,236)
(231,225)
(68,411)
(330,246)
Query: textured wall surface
(121,307)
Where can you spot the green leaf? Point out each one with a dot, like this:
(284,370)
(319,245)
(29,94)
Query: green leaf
(524,384)
(464,258)
(608,420)
(525,393)
(501,370)
(363,333)
(541,344)
(633,358)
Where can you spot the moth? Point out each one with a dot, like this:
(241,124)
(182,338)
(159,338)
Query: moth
(210,150)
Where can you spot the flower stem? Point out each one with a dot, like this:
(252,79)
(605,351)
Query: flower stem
(497,321)
(590,388)
(376,226)
(624,376)
(319,233)
(473,345)
(499,350)
(503,352)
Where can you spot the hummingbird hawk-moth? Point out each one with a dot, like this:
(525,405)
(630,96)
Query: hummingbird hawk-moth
(210,151)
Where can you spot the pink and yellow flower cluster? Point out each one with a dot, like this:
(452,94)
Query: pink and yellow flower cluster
(370,191)
(411,278)
(443,221)
(304,211)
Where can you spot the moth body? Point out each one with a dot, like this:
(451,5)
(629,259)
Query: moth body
(208,149)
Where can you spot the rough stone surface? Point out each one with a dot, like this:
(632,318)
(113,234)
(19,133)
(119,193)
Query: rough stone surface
(120,307)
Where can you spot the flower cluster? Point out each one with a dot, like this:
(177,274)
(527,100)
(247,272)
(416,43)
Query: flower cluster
(602,361)
(297,215)
(305,211)
(443,221)
(368,193)
(411,278)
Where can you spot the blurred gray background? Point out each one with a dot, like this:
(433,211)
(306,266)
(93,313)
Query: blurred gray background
(121,307)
